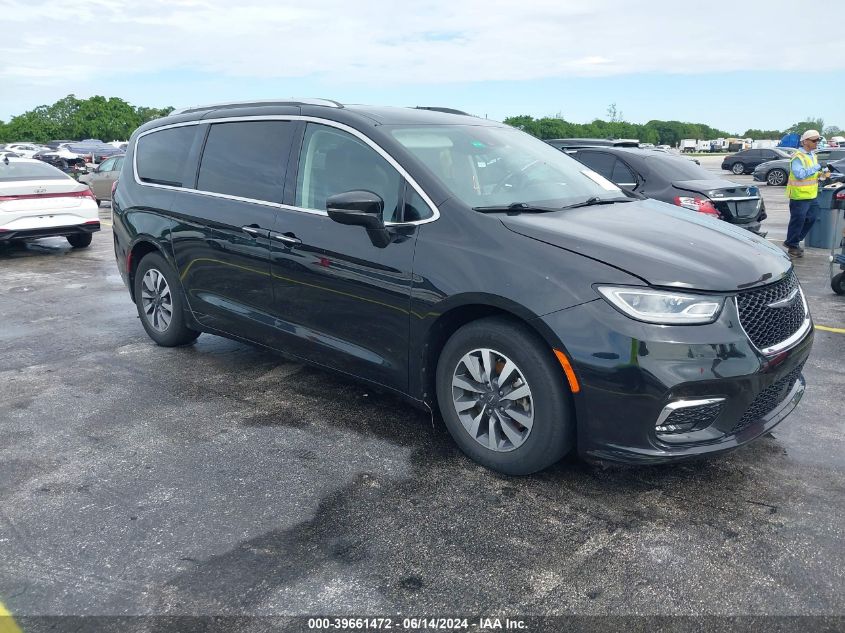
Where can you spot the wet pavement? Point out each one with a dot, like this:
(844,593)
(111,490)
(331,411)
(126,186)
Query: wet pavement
(221,479)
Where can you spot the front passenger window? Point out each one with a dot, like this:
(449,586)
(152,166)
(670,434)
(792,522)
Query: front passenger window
(333,161)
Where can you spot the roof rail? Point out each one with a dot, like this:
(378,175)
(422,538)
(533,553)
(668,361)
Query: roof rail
(259,102)
(439,109)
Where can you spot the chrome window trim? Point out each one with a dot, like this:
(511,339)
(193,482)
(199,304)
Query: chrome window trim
(785,344)
(289,117)
(683,404)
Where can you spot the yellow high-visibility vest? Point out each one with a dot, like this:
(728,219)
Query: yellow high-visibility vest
(808,188)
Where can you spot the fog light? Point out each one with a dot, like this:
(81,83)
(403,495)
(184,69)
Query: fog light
(683,416)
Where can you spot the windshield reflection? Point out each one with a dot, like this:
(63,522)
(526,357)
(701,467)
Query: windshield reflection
(498,166)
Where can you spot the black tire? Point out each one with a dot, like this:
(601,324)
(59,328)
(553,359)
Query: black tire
(776,178)
(99,202)
(738,168)
(837,283)
(80,240)
(175,332)
(552,433)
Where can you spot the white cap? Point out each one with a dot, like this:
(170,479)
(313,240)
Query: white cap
(813,134)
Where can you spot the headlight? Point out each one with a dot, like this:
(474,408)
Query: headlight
(658,306)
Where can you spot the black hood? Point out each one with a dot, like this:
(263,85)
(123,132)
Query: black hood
(661,244)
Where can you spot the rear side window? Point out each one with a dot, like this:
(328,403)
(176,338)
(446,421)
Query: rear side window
(162,156)
(247,159)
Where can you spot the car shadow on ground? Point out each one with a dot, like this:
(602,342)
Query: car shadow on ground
(371,542)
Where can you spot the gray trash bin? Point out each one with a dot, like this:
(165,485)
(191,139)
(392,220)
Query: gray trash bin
(821,235)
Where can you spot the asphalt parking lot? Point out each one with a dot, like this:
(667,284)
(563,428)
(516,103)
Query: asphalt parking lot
(219,479)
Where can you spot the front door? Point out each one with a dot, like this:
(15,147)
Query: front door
(343,299)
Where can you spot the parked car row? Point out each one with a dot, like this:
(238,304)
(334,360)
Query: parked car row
(776,172)
(674,180)
(746,161)
(91,150)
(670,177)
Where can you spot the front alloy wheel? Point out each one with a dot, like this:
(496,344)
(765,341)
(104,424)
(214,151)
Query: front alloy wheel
(493,400)
(156,300)
(504,397)
(738,168)
(776,177)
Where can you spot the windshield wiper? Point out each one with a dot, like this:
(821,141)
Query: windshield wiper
(516,208)
(589,202)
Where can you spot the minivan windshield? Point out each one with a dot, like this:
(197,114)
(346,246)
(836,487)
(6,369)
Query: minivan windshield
(492,166)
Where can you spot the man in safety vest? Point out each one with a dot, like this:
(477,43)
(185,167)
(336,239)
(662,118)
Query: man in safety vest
(802,188)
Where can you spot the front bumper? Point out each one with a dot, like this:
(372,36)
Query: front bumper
(630,372)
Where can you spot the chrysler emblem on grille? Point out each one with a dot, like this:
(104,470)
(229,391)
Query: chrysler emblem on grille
(785,302)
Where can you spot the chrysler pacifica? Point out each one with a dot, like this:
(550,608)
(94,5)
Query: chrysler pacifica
(468,267)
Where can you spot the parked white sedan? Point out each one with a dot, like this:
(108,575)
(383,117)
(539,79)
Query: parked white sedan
(27,150)
(37,200)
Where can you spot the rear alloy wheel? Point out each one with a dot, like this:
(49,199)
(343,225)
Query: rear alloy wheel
(504,398)
(79,240)
(738,168)
(776,178)
(159,301)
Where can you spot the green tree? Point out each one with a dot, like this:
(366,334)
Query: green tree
(613,114)
(33,126)
(71,118)
(763,134)
(809,124)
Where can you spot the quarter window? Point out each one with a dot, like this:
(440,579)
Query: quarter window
(333,161)
(599,162)
(622,175)
(415,207)
(162,156)
(247,159)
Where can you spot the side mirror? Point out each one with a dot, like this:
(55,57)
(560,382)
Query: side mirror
(358,208)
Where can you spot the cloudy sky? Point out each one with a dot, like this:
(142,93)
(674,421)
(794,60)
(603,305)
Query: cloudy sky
(733,65)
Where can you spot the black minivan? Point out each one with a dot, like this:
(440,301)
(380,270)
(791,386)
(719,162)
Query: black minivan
(467,266)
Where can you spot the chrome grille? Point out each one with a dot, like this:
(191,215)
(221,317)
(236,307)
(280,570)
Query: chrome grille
(768,399)
(767,326)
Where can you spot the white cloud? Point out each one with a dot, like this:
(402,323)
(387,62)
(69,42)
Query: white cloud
(385,42)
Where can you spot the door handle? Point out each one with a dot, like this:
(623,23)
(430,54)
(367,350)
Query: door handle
(287,239)
(255,231)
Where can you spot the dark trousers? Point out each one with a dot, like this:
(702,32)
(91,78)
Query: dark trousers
(802,215)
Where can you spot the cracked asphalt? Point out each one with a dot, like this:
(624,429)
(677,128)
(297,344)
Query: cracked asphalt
(220,479)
